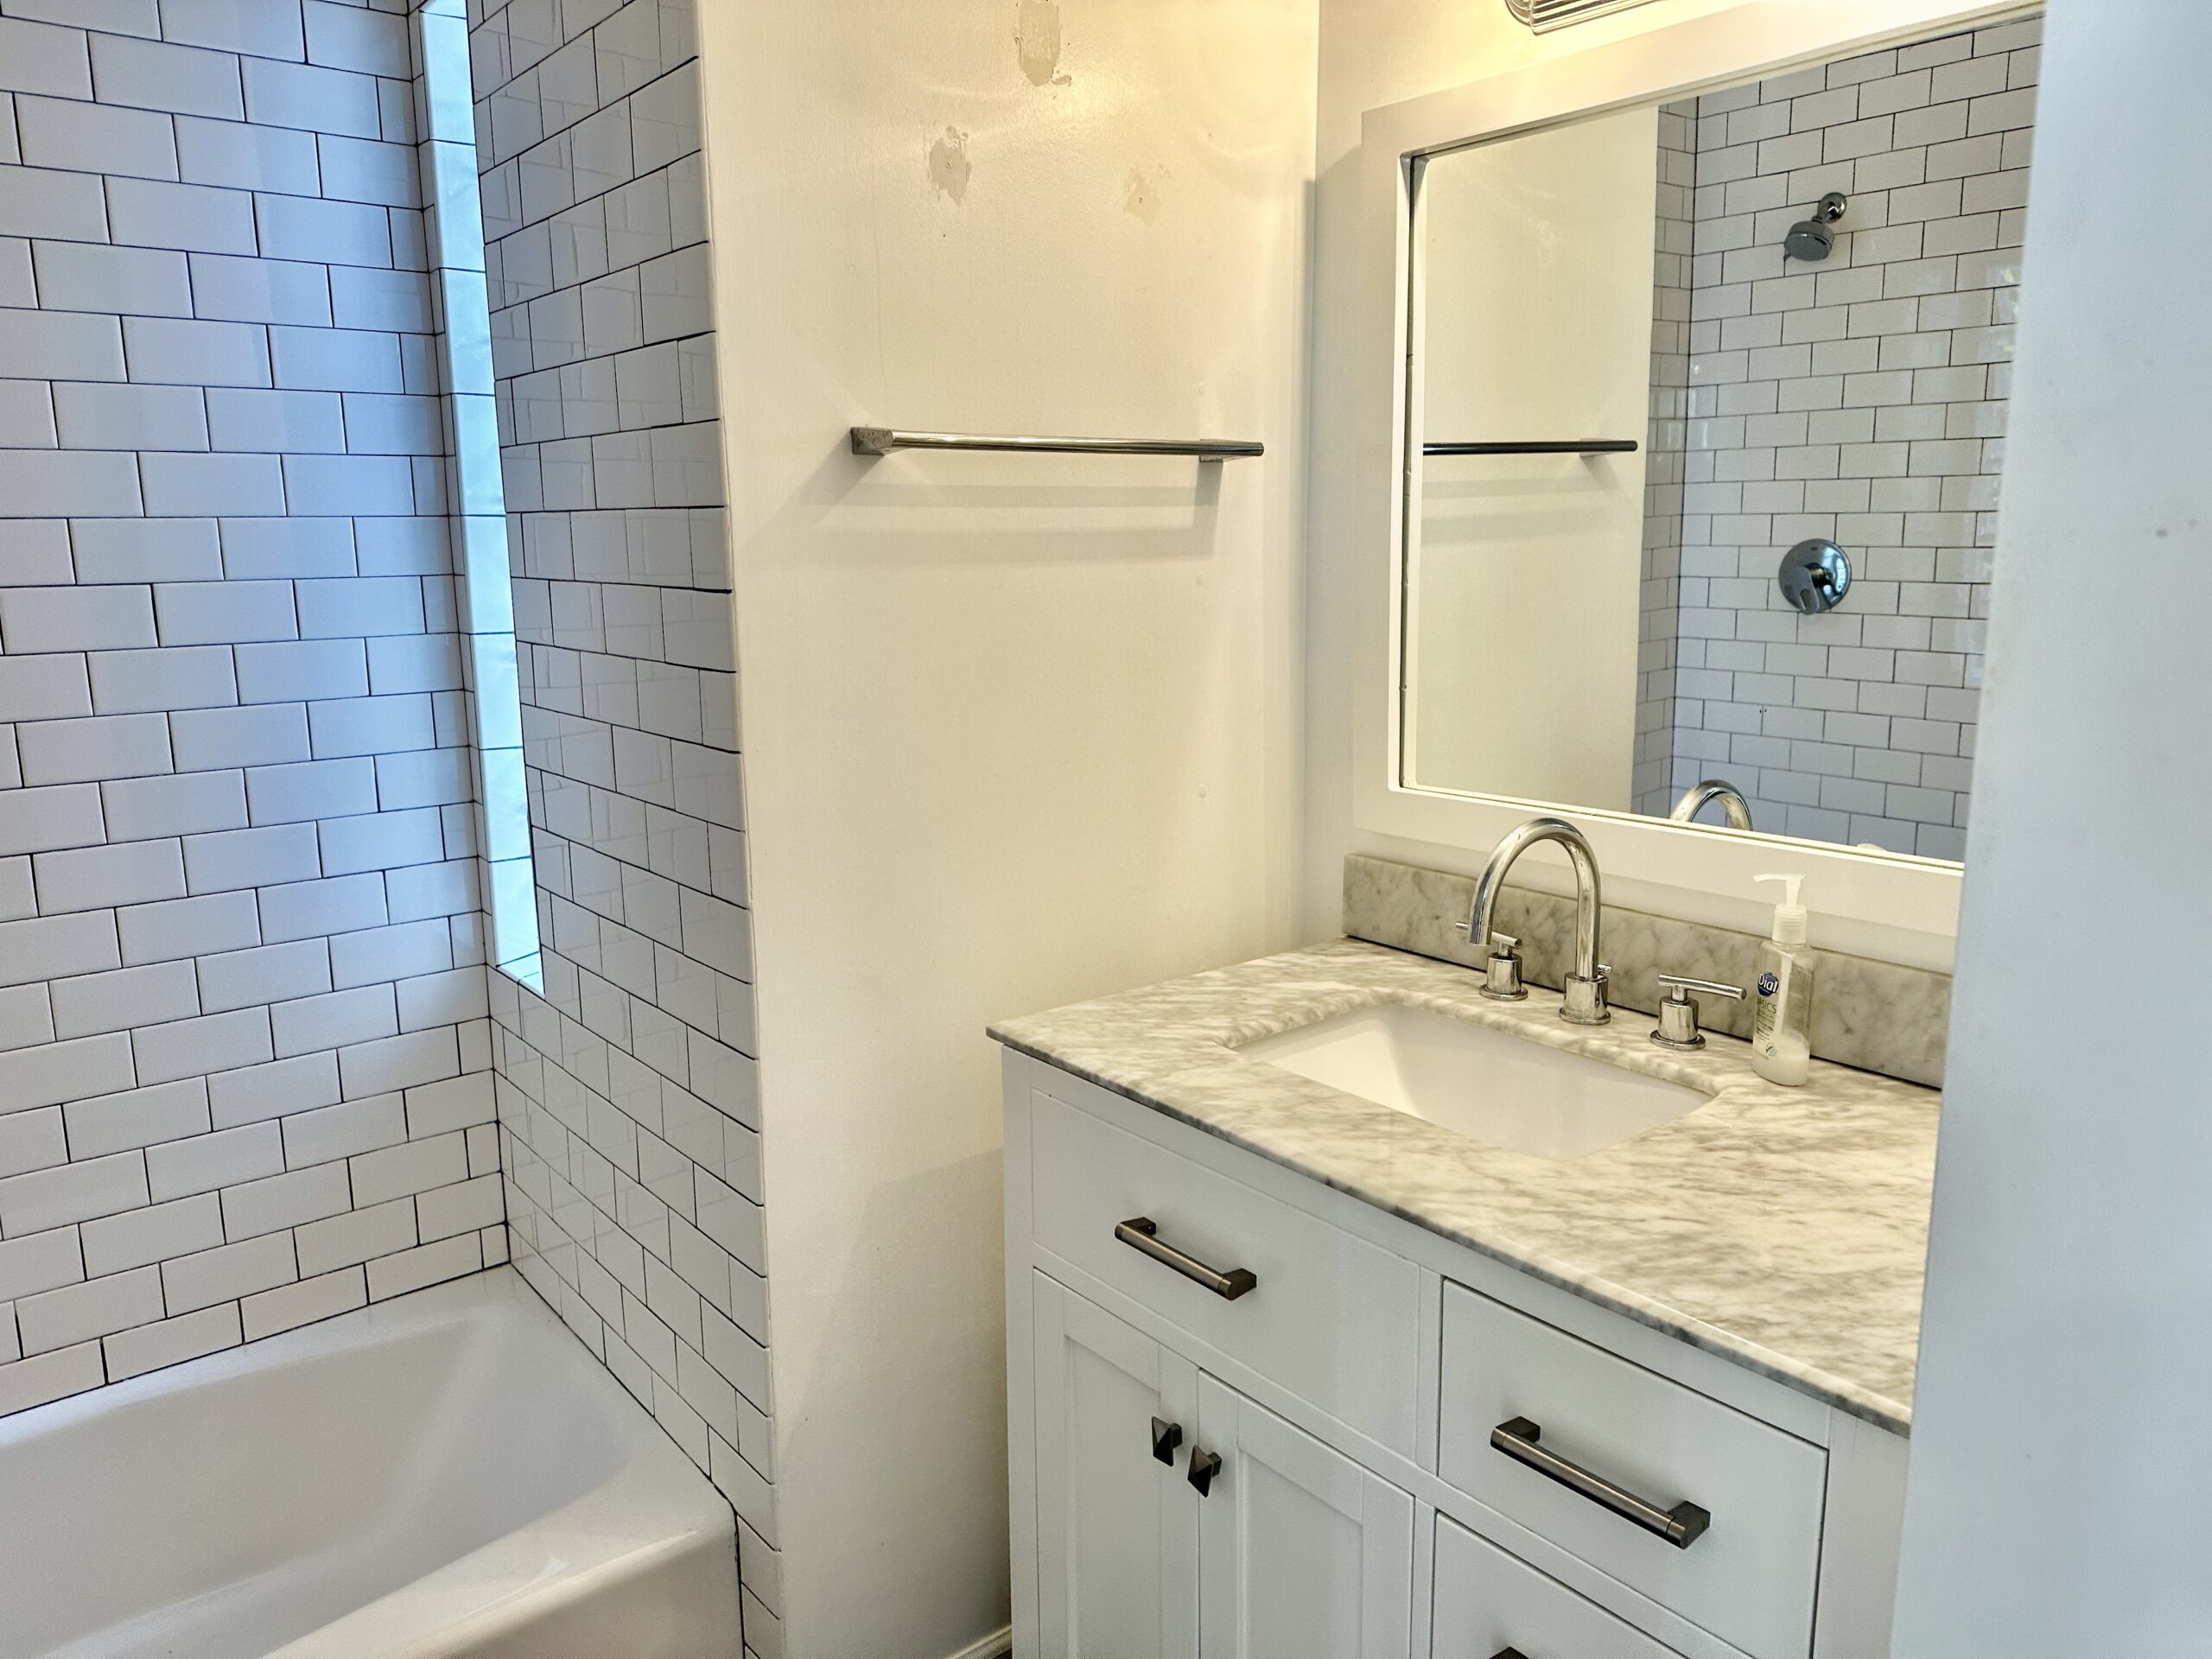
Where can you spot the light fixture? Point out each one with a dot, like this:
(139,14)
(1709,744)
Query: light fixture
(1543,14)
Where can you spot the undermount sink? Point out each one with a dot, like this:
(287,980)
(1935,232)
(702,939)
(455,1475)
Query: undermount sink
(1487,1084)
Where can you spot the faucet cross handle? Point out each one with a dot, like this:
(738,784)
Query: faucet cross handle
(1678,1014)
(1501,971)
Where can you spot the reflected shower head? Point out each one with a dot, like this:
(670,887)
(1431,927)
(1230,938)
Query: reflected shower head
(1810,239)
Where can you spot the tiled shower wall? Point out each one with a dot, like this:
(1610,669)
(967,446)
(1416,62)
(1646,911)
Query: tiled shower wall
(627,1094)
(1861,398)
(245,1078)
(1666,441)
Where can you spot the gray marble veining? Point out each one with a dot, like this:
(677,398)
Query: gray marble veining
(1877,1016)
(1784,1228)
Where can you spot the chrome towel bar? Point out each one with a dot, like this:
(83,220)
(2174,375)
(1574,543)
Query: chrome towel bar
(882,439)
(1537,447)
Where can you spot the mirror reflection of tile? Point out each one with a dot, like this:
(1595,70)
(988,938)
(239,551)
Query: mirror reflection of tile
(1853,391)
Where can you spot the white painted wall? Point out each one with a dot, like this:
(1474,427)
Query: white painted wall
(1018,729)
(1535,321)
(2060,1455)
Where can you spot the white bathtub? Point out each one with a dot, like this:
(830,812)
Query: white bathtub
(447,1474)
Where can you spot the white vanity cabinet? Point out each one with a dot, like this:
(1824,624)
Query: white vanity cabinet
(1355,1395)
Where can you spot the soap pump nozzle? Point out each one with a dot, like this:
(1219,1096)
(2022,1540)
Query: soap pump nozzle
(1791,925)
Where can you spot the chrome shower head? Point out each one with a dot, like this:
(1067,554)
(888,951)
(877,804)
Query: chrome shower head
(1810,239)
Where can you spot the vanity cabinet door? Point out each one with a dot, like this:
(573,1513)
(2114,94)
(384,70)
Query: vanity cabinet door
(1302,1552)
(1117,1527)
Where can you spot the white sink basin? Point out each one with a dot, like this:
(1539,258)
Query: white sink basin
(1486,1084)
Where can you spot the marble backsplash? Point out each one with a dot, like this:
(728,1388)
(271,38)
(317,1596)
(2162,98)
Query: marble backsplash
(1875,1015)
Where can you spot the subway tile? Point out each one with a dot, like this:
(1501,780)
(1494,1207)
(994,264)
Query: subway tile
(229,1272)
(88,276)
(196,217)
(95,137)
(316,99)
(259,736)
(296,545)
(214,485)
(32,1139)
(138,808)
(217,1162)
(171,1341)
(193,1048)
(89,1004)
(47,687)
(159,76)
(135,681)
(292,1199)
(275,422)
(318,1298)
(75,1314)
(139,1239)
(187,352)
(241,156)
(33,1262)
(429,1264)
(334,1021)
(264,973)
(35,57)
(104,746)
(83,1190)
(212,613)
(232,860)
(256,1094)
(41,202)
(35,948)
(310,790)
(177,928)
(134,1118)
(128,550)
(253,290)
(92,878)
(75,483)
(360,1236)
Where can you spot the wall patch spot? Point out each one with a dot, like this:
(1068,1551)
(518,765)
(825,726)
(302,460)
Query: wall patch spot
(950,169)
(1037,41)
(1141,197)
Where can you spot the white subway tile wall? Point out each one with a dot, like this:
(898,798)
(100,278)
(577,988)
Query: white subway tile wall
(1861,398)
(1666,441)
(627,1095)
(244,1045)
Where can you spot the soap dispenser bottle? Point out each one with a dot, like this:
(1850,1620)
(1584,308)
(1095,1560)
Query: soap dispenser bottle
(1781,1024)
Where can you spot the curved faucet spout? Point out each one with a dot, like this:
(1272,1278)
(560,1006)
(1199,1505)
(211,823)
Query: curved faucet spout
(1695,798)
(1585,991)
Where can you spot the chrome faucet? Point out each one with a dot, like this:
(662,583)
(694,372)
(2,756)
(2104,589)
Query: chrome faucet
(1731,800)
(1586,986)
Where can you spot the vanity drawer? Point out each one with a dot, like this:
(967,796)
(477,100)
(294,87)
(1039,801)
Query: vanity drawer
(1487,1602)
(1333,1319)
(1748,1577)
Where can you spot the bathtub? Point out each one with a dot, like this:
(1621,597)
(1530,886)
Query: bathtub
(449,1473)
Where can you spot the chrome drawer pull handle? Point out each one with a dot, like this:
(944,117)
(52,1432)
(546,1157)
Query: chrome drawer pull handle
(1679,1526)
(1142,1233)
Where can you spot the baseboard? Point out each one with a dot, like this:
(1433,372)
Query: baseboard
(997,1645)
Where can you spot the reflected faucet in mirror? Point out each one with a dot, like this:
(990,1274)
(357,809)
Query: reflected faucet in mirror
(1585,1003)
(1699,795)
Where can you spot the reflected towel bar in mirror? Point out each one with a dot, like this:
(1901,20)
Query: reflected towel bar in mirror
(1537,447)
(882,439)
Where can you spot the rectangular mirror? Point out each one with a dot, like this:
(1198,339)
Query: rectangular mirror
(1704,428)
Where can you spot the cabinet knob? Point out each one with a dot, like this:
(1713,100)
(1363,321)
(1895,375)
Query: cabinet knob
(1508,1652)
(1166,1437)
(1205,1465)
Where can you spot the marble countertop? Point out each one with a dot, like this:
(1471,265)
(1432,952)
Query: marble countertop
(1783,1228)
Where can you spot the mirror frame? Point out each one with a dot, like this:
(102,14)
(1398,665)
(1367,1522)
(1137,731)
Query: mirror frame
(1894,906)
